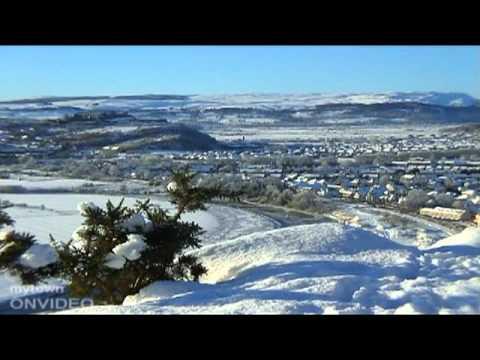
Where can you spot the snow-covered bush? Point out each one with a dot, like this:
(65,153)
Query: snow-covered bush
(5,219)
(444,200)
(414,200)
(285,197)
(84,206)
(459,204)
(171,186)
(450,184)
(119,250)
(21,256)
(305,200)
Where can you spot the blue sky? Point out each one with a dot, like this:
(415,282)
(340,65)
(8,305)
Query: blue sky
(30,71)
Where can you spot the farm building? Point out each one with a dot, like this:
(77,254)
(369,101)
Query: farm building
(445,213)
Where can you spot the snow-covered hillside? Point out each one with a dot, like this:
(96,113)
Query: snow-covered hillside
(320,269)
(289,101)
(276,101)
(250,100)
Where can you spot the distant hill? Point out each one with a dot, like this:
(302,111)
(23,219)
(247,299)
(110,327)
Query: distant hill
(471,129)
(51,99)
(102,130)
(413,112)
(347,113)
(129,134)
(267,109)
(279,100)
(151,97)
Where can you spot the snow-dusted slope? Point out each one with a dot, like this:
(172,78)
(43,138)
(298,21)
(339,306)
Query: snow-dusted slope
(470,237)
(321,269)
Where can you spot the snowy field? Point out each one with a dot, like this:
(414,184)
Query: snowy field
(320,269)
(57,214)
(33,183)
(314,135)
(41,183)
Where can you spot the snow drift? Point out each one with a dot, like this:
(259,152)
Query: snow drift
(316,269)
(468,237)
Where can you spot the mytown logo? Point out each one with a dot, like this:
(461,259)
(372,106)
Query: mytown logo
(32,289)
(48,304)
(36,298)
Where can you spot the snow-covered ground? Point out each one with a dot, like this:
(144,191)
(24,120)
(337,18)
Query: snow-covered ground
(319,269)
(401,228)
(382,265)
(109,129)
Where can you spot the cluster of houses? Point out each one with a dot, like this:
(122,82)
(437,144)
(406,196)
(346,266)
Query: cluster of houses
(390,145)
(450,189)
(340,149)
(24,142)
(450,185)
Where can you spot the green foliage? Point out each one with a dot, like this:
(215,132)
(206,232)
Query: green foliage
(188,197)
(5,219)
(414,200)
(12,246)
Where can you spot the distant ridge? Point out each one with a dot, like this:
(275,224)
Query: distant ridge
(454,99)
(73,98)
(52,99)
